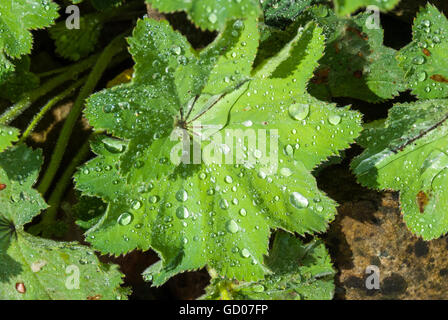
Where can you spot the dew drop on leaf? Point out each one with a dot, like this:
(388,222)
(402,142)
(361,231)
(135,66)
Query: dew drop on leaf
(298,200)
(245,253)
(181,195)
(125,219)
(299,111)
(334,119)
(182,212)
(232,226)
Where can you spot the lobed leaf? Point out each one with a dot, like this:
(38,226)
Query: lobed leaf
(300,272)
(345,7)
(210,15)
(407,153)
(35,268)
(212,213)
(17,18)
(356,64)
(424,59)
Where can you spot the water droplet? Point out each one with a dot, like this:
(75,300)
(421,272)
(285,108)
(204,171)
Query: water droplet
(422,76)
(334,119)
(228,179)
(182,212)
(113,145)
(181,195)
(224,204)
(125,219)
(298,200)
(136,205)
(299,111)
(245,253)
(232,226)
(247,123)
(243,212)
(289,150)
(286,172)
(258,288)
(177,50)
(419,60)
(212,18)
(426,23)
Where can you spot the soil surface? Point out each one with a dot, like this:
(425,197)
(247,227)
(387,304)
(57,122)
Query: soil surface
(369,231)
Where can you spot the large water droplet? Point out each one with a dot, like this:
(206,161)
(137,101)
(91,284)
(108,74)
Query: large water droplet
(286,172)
(419,60)
(212,18)
(298,200)
(223,204)
(181,195)
(125,219)
(299,111)
(182,212)
(334,119)
(245,253)
(232,226)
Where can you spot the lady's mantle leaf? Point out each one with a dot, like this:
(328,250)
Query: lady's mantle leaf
(8,135)
(408,154)
(280,13)
(344,7)
(425,58)
(35,268)
(17,17)
(300,272)
(210,15)
(75,44)
(356,63)
(214,212)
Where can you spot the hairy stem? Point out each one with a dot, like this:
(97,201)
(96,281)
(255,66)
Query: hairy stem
(28,98)
(49,105)
(56,196)
(117,45)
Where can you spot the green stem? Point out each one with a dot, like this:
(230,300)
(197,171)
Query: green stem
(117,45)
(49,216)
(49,105)
(30,97)
(53,72)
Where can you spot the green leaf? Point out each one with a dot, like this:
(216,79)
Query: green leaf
(17,18)
(8,135)
(106,4)
(34,268)
(18,81)
(75,44)
(408,154)
(88,212)
(280,13)
(344,7)
(300,272)
(210,15)
(356,64)
(101,4)
(211,212)
(424,59)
